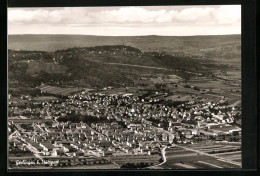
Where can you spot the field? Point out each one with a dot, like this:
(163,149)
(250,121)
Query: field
(234,156)
(168,79)
(218,88)
(44,98)
(179,158)
(179,97)
(210,83)
(218,148)
(59,90)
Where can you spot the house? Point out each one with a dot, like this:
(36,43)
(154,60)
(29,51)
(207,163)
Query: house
(107,153)
(176,124)
(47,146)
(35,146)
(58,152)
(37,139)
(227,129)
(79,153)
(104,143)
(165,137)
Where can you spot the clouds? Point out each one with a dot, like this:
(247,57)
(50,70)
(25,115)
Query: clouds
(228,15)
(125,18)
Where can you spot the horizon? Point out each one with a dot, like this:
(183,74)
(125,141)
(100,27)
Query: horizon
(130,35)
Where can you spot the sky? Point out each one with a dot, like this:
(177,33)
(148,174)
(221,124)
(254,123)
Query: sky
(127,20)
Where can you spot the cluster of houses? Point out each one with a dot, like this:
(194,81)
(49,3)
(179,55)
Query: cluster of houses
(135,138)
(101,51)
(68,143)
(140,126)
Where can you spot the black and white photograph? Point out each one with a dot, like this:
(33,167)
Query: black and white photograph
(124,87)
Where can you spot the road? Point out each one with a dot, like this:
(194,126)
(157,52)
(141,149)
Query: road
(164,159)
(15,132)
(34,151)
(95,131)
(171,137)
(158,68)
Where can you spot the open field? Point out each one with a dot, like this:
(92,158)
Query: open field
(59,90)
(218,88)
(179,97)
(210,83)
(178,158)
(44,98)
(228,151)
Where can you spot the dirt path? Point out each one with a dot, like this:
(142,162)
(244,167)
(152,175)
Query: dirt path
(158,68)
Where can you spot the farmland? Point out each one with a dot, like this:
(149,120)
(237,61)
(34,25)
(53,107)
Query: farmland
(64,91)
(228,155)
(217,148)
(117,66)
(44,98)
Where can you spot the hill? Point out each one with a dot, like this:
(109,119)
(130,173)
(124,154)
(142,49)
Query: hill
(111,65)
(37,67)
(222,46)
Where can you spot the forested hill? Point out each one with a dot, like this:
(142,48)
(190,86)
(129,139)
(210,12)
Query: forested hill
(221,46)
(90,66)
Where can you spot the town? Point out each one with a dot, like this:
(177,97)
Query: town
(127,129)
(125,87)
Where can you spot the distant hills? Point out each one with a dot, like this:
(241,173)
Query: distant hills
(99,61)
(108,65)
(221,46)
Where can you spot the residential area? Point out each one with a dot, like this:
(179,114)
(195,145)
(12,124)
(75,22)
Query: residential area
(94,128)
